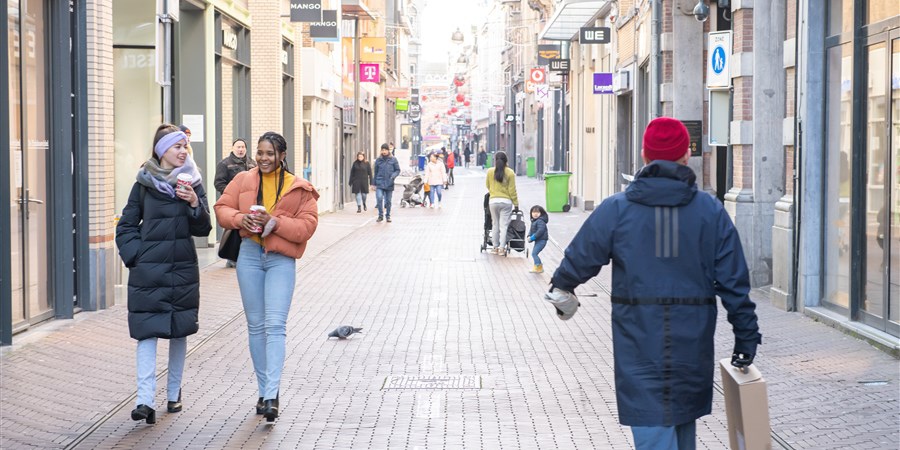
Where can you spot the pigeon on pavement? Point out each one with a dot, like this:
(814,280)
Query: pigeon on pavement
(344,331)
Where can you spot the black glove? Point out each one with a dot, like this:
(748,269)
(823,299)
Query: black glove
(741,360)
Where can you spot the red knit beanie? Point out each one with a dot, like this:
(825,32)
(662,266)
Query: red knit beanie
(666,138)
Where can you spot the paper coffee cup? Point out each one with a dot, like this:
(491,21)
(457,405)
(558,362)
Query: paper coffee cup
(184,180)
(255,210)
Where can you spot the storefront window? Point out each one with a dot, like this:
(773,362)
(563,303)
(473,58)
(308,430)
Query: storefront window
(876,149)
(137,98)
(890,226)
(839,148)
(232,84)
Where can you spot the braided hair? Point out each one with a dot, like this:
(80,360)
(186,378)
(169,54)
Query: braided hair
(280,146)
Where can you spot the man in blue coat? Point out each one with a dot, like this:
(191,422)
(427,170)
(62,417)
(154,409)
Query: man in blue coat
(673,250)
(386,170)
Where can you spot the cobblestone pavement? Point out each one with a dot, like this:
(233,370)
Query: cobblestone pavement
(457,351)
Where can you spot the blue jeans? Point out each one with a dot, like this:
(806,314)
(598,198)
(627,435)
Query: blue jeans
(146,370)
(267,287)
(436,189)
(538,246)
(383,196)
(679,437)
(361,198)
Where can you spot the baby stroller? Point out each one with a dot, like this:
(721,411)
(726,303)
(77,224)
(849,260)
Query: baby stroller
(411,195)
(515,233)
(488,223)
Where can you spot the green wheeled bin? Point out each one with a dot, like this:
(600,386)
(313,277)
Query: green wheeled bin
(530,167)
(556,186)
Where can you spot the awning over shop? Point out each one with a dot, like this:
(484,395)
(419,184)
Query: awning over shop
(569,17)
(356,8)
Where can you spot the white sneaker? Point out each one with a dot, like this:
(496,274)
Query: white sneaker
(440,206)
(431,206)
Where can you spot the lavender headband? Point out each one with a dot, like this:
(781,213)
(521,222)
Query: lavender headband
(167,142)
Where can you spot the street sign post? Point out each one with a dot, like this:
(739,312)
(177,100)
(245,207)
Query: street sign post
(718,63)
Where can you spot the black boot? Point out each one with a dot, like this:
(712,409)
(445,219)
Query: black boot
(270,410)
(174,407)
(144,412)
(260,406)
(364,207)
(358,209)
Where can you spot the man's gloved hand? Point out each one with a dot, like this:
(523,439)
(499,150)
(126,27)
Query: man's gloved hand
(741,360)
(531,238)
(566,303)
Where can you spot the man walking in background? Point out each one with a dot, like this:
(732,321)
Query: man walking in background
(674,250)
(386,170)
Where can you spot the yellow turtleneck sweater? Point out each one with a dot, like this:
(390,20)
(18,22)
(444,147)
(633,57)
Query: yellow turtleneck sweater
(270,188)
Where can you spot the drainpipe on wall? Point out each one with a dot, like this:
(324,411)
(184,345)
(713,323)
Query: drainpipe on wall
(798,165)
(655,58)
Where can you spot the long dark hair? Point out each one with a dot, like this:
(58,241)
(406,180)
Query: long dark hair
(161,131)
(280,146)
(500,162)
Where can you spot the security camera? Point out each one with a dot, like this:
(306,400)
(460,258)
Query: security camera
(701,11)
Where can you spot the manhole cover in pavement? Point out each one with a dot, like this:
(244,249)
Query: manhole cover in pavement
(432,382)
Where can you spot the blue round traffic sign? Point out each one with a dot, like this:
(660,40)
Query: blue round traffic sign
(718,60)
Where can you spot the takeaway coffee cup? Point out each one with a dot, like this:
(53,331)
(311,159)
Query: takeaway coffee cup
(184,180)
(256,210)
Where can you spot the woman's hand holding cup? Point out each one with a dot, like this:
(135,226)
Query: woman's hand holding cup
(185,190)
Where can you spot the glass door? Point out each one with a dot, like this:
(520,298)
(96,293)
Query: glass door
(29,131)
(879,306)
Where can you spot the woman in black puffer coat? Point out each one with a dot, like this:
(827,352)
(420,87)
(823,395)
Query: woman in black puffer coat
(155,239)
(360,180)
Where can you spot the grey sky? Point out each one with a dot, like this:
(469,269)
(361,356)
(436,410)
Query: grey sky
(440,18)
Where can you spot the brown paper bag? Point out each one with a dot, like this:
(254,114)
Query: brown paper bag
(747,407)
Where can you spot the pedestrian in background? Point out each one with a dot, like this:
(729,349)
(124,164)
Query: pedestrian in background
(501,184)
(236,162)
(451,163)
(273,241)
(386,170)
(167,207)
(436,177)
(673,250)
(360,180)
(467,153)
(187,132)
(482,158)
(539,234)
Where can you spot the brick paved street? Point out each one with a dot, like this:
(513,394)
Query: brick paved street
(503,371)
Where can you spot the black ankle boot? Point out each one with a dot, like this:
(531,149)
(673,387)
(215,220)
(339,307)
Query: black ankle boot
(270,410)
(260,406)
(358,209)
(144,412)
(174,407)
(364,207)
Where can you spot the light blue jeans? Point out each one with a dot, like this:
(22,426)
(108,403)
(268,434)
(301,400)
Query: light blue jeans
(146,370)
(361,198)
(383,196)
(679,437)
(267,287)
(440,193)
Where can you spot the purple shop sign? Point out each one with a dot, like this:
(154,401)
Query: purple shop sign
(603,83)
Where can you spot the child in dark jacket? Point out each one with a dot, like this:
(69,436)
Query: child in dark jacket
(538,235)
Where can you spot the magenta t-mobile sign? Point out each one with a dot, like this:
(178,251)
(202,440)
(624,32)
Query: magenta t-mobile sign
(369,73)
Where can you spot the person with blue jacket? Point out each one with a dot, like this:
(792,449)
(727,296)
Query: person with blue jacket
(386,170)
(539,235)
(673,250)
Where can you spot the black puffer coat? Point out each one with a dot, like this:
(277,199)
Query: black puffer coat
(155,242)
